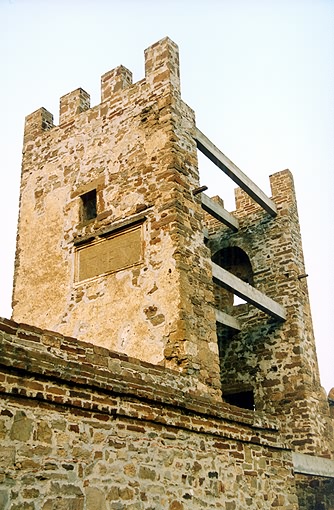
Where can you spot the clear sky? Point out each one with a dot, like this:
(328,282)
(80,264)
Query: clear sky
(259,75)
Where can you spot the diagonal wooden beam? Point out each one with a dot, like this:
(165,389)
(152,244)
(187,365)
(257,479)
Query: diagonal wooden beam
(230,169)
(218,212)
(230,282)
(227,320)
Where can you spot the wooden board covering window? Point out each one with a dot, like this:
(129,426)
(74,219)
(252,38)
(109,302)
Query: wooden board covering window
(111,254)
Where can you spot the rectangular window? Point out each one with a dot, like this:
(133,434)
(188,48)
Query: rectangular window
(244,399)
(89,209)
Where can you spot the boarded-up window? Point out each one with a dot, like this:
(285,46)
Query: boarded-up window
(119,251)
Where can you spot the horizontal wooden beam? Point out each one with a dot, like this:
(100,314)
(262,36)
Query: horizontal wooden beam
(312,465)
(230,169)
(218,212)
(227,320)
(247,292)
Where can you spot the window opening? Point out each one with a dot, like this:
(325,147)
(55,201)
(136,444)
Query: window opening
(243,399)
(89,209)
(236,261)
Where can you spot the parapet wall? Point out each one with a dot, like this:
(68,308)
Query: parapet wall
(161,73)
(87,428)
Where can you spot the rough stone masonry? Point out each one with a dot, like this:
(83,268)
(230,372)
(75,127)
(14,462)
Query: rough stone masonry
(130,377)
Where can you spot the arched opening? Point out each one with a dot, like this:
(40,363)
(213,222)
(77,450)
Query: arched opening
(236,261)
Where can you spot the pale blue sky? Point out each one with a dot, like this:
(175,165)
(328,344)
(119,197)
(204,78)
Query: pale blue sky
(259,75)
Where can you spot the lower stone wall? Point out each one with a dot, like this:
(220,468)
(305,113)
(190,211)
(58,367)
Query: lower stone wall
(315,492)
(59,459)
(74,436)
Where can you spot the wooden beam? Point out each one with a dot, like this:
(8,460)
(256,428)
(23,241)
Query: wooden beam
(227,320)
(230,169)
(312,465)
(245,291)
(218,212)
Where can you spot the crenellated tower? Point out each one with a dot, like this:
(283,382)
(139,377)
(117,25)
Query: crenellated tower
(110,240)
(119,246)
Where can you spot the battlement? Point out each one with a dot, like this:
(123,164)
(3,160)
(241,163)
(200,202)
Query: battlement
(282,192)
(161,73)
(73,104)
(114,81)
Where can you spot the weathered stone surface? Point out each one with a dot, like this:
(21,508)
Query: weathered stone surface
(7,456)
(101,440)
(315,492)
(136,152)
(44,432)
(62,503)
(4,497)
(22,427)
(95,499)
(112,399)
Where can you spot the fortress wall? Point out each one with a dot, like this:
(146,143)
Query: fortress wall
(85,428)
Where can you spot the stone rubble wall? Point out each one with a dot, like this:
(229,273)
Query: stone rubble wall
(276,359)
(83,428)
(315,492)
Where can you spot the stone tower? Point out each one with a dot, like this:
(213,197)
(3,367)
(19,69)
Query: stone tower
(119,246)
(110,240)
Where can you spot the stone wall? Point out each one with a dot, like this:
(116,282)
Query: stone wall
(275,360)
(112,268)
(83,428)
(315,492)
(121,278)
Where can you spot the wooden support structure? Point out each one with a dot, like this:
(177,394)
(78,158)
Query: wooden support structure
(247,292)
(230,169)
(218,212)
(227,320)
